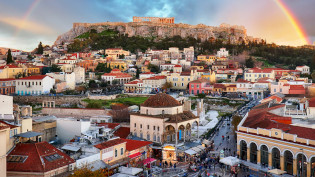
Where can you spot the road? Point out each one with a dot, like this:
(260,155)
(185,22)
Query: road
(229,144)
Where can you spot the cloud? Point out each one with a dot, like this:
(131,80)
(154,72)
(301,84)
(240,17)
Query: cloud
(26,25)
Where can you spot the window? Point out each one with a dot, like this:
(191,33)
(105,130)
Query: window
(153,127)
(192,85)
(158,128)
(182,79)
(280,89)
(147,112)
(197,86)
(135,125)
(135,133)
(140,125)
(275,90)
(182,84)
(175,84)
(158,139)
(148,137)
(115,152)
(154,137)
(121,151)
(168,138)
(163,112)
(141,135)
(148,127)
(40,83)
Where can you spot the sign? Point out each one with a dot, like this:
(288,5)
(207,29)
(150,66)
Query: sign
(221,154)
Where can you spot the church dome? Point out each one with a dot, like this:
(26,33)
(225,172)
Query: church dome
(161,100)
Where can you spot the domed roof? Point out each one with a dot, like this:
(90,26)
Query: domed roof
(161,100)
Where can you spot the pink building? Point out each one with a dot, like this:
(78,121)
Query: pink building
(200,86)
(279,87)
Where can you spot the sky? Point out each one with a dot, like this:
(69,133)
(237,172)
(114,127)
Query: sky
(24,23)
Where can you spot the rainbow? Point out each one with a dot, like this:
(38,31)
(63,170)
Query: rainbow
(293,20)
(26,15)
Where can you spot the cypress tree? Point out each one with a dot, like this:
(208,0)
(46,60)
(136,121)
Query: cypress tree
(9,57)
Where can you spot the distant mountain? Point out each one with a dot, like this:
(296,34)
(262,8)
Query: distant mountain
(4,50)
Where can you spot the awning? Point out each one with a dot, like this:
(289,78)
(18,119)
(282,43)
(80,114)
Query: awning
(277,171)
(70,148)
(135,155)
(148,160)
(196,149)
(190,152)
(29,134)
(207,142)
(231,161)
(201,147)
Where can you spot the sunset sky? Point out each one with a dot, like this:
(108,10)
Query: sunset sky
(24,23)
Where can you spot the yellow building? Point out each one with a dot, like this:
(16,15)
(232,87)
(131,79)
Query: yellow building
(33,70)
(122,66)
(144,69)
(209,76)
(180,81)
(266,138)
(208,59)
(3,151)
(11,70)
(116,52)
(254,74)
(113,152)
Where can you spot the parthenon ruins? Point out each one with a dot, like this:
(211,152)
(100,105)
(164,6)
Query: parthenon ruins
(154,19)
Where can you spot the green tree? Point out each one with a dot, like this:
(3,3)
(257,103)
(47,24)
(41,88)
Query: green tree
(55,68)
(137,72)
(153,68)
(166,86)
(201,95)
(95,105)
(92,84)
(250,62)
(235,121)
(40,48)
(121,56)
(9,57)
(85,171)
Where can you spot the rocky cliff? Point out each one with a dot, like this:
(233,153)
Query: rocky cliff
(236,34)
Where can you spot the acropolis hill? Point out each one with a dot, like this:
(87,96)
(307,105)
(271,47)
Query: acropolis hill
(161,28)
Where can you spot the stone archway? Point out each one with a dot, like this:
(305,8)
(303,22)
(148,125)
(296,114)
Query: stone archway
(264,152)
(188,131)
(253,153)
(312,161)
(301,165)
(288,162)
(181,132)
(275,158)
(169,134)
(243,150)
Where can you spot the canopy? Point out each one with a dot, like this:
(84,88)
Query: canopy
(28,134)
(70,148)
(207,142)
(231,161)
(135,155)
(196,149)
(148,160)
(130,170)
(190,152)
(201,147)
(277,171)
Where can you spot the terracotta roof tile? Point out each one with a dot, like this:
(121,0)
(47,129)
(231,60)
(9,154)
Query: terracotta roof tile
(109,143)
(135,144)
(122,132)
(36,160)
(161,100)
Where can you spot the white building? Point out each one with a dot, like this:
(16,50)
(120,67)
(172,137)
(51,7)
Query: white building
(189,53)
(304,69)
(15,53)
(146,75)
(6,107)
(79,75)
(222,53)
(69,78)
(34,85)
(68,128)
